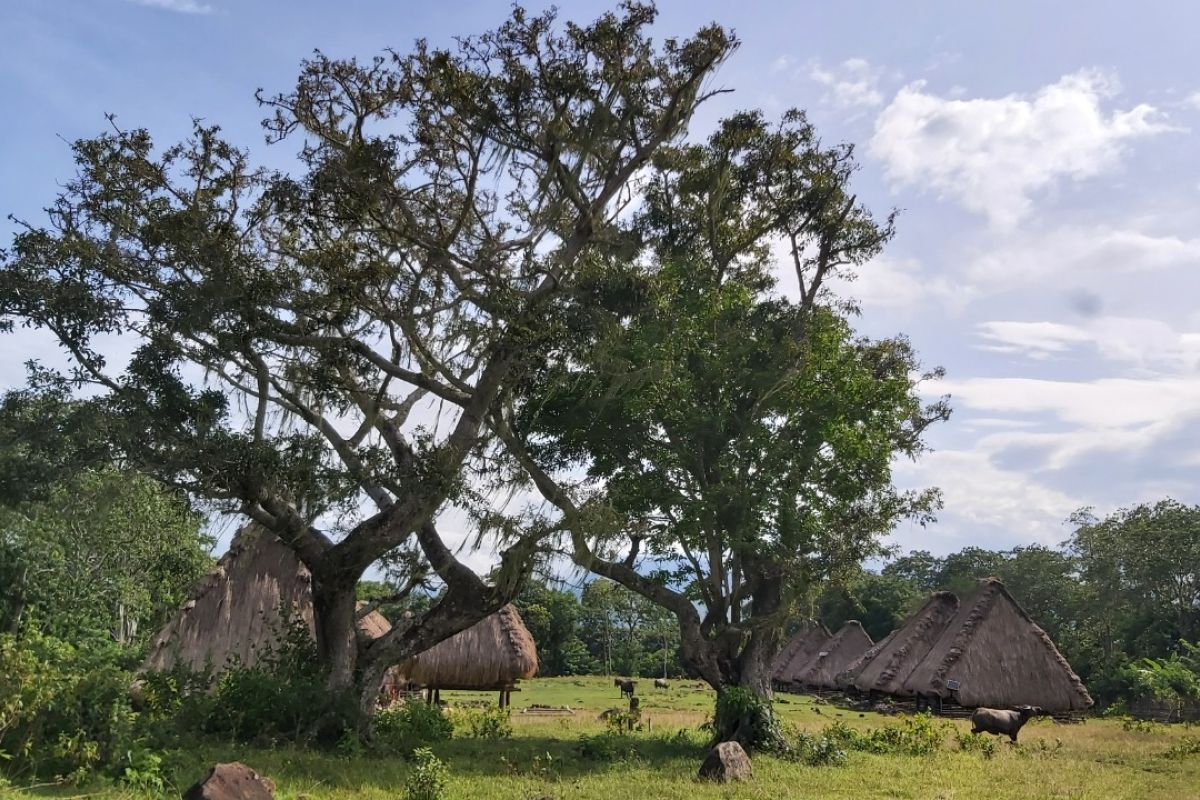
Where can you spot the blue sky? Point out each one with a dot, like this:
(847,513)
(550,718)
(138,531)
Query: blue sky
(1043,156)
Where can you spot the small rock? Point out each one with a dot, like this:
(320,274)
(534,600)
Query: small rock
(726,762)
(233,781)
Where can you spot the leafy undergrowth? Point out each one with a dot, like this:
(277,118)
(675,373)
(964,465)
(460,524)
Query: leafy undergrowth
(581,757)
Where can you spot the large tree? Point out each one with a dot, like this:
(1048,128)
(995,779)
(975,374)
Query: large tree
(737,444)
(445,205)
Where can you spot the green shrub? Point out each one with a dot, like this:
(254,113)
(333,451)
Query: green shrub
(609,746)
(65,711)
(490,722)
(410,726)
(980,743)
(919,735)
(741,715)
(282,698)
(428,778)
(1186,746)
(818,750)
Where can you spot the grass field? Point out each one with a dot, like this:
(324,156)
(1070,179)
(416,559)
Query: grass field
(1097,759)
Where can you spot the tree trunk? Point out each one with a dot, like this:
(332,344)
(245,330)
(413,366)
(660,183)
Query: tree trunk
(334,603)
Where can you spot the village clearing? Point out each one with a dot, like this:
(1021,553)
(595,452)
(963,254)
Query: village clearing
(1100,758)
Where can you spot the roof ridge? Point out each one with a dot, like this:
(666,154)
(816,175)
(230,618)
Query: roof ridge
(980,606)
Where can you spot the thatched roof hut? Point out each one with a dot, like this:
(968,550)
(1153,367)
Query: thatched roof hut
(821,671)
(241,607)
(992,654)
(846,677)
(494,653)
(799,650)
(896,660)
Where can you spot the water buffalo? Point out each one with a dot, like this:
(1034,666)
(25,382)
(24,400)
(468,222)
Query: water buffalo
(1002,722)
(627,686)
(659,683)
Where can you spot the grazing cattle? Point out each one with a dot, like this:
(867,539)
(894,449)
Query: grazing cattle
(659,683)
(1002,722)
(627,686)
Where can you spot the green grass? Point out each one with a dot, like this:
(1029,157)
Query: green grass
(1097,759)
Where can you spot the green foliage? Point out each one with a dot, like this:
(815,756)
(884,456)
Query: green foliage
(410,726)
(142,553)
(917,735)
(987,746)
(64,711)
(613,745)
(428,777)
(745,717)
(817,750)
(283,697)
(1186,746)
(491,722)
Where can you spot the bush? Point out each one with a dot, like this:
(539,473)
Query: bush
(491,722)
(428,778)
(918,735)
(65,711)
(282,698)
(980,743)
(609,746)
(411,726)
(1186,746)
(818,750)
(744,717)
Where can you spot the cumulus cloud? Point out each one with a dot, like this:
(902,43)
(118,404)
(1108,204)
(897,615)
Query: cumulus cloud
(178,6)
(900,284)
(1145,343)
(1072,254)
(850,86)
(1124,416)
(979,494)
(994,154)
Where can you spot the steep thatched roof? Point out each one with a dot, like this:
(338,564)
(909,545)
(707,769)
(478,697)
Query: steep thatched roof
(846,677)
(799,650)
(239,609)
(992,654)
(492,654)
(821,671)
(893,663)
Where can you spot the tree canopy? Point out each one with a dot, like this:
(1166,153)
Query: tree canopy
(447,206)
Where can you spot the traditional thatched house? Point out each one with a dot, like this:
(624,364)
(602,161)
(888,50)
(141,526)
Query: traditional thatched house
(242,607)
(845,679)
(885,673)
(798,651)
(493,655)
(821,671)
(992,654)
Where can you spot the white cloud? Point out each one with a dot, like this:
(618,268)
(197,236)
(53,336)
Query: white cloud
(851,85)
(977,493)
(1192,100)
(1073,254)
(900,284)
(1125,416)
(179,6)
(1144,343)
(1035,339)
(994,154)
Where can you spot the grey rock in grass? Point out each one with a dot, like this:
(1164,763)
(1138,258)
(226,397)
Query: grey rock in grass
(726,762)
(233,781)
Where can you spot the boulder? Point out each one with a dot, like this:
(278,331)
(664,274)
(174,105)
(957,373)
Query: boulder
(726,762)
(234,781)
